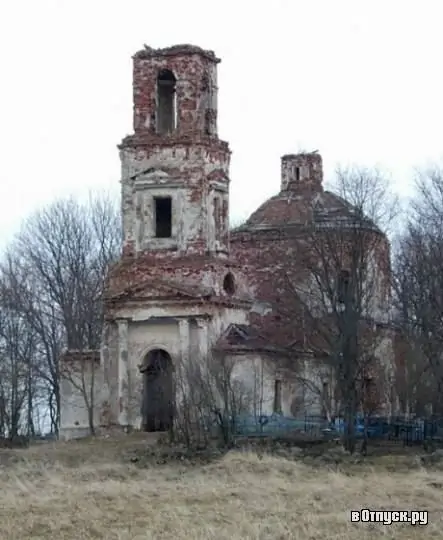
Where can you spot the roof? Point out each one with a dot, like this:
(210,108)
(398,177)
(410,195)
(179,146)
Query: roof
(156,288)
(175,50)
(289,209)
(241,338)
(76,355)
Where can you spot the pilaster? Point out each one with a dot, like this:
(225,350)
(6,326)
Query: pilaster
(183,328)
(123,373)
(203,338)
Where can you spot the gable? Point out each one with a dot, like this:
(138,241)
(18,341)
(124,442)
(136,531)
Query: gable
(151,177)
(240,337)
(218,176)
(159,289)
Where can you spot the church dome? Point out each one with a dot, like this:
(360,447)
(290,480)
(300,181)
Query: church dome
(287,210)
(301,199)
(273,243)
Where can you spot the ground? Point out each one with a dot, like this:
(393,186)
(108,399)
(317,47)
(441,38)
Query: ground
(104,489)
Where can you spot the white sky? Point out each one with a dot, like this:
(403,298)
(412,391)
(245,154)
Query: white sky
(361,81)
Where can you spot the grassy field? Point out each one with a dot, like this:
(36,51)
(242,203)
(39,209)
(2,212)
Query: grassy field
(91,490)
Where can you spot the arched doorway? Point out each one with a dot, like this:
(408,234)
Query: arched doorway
(158,391)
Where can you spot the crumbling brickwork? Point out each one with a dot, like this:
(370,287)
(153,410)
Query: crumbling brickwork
(301,172)
(275,245)
(80,377)
(186,161)
(195,72)
(176,288)
(185,287)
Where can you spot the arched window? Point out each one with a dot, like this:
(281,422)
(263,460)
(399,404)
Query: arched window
(277,409)
(217,217)
(229,284)
(166,102)
(158,391)
(343,286)
(224,220)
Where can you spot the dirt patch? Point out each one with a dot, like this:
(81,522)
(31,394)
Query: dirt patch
(314,453)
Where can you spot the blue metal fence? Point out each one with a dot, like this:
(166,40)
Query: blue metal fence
(391,428)
(276,424)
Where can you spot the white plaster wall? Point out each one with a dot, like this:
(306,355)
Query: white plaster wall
(184,338)
(142,338)
(109,361)
(144,203)
(187,216)
(384,350)
(307,389)
(374,301)
(257,375)
(254,381)
(223,318)
(74,412)
(253,375)
(199,339)
(385,354)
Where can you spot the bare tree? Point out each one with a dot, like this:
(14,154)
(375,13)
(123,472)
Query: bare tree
(419,290)
(211,398)
(56,269)
(80,369)
(20,386)
(347,269)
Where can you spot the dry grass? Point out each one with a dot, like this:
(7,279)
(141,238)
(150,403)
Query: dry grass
(86,491)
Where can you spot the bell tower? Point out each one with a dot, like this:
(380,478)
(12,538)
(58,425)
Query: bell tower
(175,289)
(175,169)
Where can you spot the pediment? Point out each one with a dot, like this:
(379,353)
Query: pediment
(242,337)
(158,289)
(151,177)
(218,175)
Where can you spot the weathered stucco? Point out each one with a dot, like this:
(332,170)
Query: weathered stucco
(189,163)
(182,336)
(186,286)
(81,372)
(256,377)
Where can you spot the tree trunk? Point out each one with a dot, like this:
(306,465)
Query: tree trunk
(30,426)
(91,420)
(364,445)
(349,427)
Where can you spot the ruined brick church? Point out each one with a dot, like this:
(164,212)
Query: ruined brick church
(185,284)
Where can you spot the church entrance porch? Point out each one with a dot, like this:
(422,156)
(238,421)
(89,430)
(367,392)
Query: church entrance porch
(158,391)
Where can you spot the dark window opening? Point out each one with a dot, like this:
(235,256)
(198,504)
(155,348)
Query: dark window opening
(163,217)
(229,284)
(343,286)
(217,217)
(367,383)
(208,122)
(277,397)
(207,103)
(166,102)
(325,399)
(297,174)
(224,224)
(157,407)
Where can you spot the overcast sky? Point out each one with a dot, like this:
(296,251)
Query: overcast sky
(361,81)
